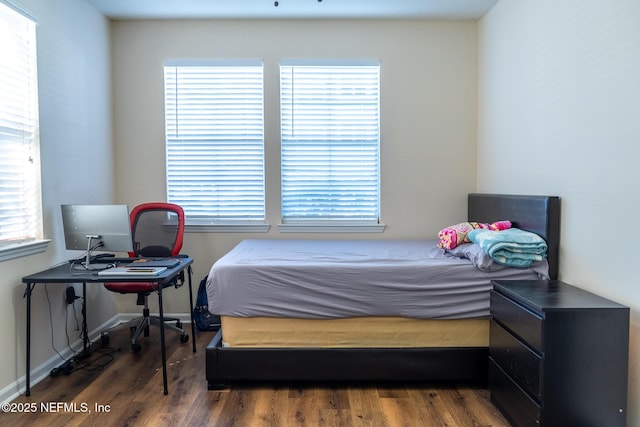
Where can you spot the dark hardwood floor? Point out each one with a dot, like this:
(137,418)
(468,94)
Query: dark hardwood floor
(127,391)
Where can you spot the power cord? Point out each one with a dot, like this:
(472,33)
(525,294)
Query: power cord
(74,363)
(65,368)
(70,298)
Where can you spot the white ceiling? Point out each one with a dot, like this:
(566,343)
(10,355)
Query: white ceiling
(287,9)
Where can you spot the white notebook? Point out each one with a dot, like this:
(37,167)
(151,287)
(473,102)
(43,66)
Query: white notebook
(132,271)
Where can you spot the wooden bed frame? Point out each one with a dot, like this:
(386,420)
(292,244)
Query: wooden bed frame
(466,365)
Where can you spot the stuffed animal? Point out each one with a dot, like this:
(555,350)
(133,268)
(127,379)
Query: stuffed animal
(455,235)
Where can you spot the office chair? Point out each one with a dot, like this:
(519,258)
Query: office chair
(157,230)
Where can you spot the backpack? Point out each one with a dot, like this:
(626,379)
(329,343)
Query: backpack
(205,321)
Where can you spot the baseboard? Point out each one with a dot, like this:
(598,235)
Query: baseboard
(38,373)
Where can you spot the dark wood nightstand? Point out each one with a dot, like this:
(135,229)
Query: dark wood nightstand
(558,355)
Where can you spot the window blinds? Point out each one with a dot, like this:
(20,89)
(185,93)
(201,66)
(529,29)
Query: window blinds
(330,142)
(20,205)
(215,143)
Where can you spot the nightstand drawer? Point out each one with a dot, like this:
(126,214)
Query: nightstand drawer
(516,405)
(516,359)
(521,321)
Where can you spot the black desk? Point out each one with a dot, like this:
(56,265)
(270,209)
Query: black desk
(65,274)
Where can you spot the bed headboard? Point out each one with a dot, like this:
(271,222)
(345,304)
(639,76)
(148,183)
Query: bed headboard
(538,214)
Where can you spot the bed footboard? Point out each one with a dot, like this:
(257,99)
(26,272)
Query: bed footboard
(458,365)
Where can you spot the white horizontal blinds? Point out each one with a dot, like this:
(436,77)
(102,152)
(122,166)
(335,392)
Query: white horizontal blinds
(330,142)
(20,213)
(215,140)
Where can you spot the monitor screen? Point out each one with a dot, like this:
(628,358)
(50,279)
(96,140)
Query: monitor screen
(106,224)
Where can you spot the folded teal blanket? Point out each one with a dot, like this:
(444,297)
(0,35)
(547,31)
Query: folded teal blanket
(512,247)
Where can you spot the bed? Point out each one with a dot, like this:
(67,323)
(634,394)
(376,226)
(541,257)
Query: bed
(279,325)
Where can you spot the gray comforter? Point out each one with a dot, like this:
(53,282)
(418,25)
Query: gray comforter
(352,278)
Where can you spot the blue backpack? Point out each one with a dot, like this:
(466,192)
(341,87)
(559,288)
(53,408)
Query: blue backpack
(205,320)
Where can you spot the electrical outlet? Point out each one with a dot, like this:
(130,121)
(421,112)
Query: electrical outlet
(71,295)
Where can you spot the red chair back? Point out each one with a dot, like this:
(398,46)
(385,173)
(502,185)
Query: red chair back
(157,229)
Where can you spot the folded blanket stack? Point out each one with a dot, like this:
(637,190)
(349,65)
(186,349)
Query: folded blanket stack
(513,247)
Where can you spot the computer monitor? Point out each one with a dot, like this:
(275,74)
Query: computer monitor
(97,227)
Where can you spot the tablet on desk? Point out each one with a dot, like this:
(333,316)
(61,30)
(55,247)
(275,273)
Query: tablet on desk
(132,271)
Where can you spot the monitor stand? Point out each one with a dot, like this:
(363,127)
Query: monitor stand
(87,262)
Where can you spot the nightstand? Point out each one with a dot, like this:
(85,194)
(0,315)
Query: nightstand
(558,355)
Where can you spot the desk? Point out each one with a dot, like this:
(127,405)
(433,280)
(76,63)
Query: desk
(64,274)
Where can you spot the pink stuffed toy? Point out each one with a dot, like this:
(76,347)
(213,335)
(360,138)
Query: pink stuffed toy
(455,235)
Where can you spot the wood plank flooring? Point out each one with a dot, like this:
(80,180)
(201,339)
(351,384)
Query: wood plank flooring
(127,391)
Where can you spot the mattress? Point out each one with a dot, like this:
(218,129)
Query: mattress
(360,332)
(328,279)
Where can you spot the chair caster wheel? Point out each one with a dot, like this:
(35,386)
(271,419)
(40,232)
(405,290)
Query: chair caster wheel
(135,347)
(184,338)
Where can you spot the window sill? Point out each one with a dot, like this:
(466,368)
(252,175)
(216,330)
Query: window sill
(23,249)
(227,228)
(331,228)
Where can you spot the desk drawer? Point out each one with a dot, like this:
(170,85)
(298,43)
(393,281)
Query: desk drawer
(516,359)
(521,321)
(514,403)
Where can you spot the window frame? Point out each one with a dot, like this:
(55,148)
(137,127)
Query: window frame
(32,241)
(206,223)
(319,223)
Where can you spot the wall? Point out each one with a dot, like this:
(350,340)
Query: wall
(428,113)
(559,98)
(77,167)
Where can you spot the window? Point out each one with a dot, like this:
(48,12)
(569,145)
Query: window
(20,199)
(215,141)
(330,143)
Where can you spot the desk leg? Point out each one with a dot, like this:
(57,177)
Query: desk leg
(162,344)
(27,391)
(193,323)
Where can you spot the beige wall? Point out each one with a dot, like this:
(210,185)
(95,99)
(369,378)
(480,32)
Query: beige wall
(428,113)
(559,100)
(554,83)
(77,167)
